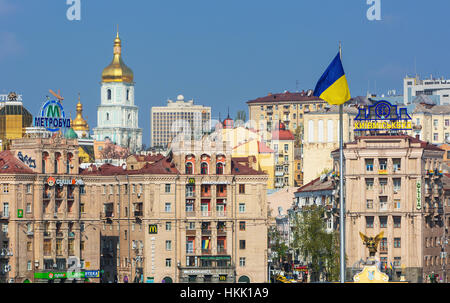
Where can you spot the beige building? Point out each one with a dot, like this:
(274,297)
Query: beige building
(193,216)
(390,183)
(322,137)
(432,123)
(289,108)
(44,226)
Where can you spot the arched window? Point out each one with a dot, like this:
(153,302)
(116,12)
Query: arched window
(219,168)
(320,131)
(244,279)
(204,168)
(189,168)
(310,131)
(109,94)
(128,94)
(107,116)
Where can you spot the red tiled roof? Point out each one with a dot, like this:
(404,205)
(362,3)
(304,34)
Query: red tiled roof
(282,135)
(161,167)
(237,168)
(263,148)
(316,185)
(287,96)
(9,164)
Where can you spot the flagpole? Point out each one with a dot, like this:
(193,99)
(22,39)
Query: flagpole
(341,186)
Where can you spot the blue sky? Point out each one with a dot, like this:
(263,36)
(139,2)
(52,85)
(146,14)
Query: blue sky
(220,53)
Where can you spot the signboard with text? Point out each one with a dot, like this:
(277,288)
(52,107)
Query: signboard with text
(382,116)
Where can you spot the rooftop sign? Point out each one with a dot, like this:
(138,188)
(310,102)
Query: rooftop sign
(382,116)
(52,117)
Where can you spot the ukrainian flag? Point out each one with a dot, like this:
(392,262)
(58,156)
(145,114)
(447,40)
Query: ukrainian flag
(332,86)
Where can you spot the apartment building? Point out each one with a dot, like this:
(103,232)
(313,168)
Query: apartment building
(193,216)
(287,107)
(322,137)
(432,123)
(390,183)
(43,227)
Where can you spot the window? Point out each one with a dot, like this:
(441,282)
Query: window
(107,116)
(369,184)
(6,209)
(447,122)
(397,164)
(219,168)
(397,242)
(242,207)
(168,226)
(242,188)
(5,188)
(397,261)
(28,209)
(29,246)
(397,204)
(125,234)
(204,168)
(369,204)
(397,221)
(435,136)
(383,244)
(397,184)
(167,188)
(242,225)
(167,207)
(168,262)
(168,245)
(29,266)
(369,222)
(435,122)
(369,164)
(241,244)
(383,222)
(29,188)
(242,261)
(382,163)
(189,205)
(383,203)
(108,93)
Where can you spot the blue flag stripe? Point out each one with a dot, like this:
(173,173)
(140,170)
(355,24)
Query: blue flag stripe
(331,75)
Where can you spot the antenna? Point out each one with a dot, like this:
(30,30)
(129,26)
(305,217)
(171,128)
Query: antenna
(296,85)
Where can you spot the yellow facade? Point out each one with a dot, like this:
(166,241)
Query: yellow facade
(14,118)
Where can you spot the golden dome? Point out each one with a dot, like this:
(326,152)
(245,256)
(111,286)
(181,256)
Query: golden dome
(79,124)
(117,71)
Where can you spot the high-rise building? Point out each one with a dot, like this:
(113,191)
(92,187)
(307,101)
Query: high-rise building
(436,88)
(14,119)
(179,118)
(117,115)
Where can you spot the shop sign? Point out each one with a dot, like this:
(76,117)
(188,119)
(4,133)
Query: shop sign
(419,194)
(191,181)
(20,213)
(382,116)
(51,181)
(92,274)
(153,228)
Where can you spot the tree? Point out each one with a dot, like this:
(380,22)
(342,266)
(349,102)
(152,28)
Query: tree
(277,245)
(318,247)
(241,115)
(298,135)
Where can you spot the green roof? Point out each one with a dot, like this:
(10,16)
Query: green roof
(71,134)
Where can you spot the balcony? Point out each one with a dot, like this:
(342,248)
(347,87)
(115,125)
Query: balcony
(206,213)
(221,213)
(206,251)
(279,173)
(47,234)
(191,232)
(221,251)
(4,215)
(46,196)
(190,194)
(221,232)
(71,234)
(190,214)
(206,232)
(59,234)
(138,213)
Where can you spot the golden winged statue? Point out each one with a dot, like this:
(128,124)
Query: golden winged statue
(371,242)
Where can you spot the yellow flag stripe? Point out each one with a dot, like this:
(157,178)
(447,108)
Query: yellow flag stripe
(338,93)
